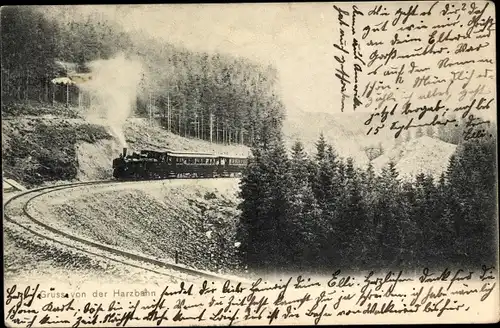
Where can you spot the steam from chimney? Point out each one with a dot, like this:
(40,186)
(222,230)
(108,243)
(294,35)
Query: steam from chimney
(113,92)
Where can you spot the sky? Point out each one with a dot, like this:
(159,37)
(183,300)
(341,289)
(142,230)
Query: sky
(295,38)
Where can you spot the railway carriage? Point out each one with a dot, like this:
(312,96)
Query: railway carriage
(149,164)
(232,166)
(192,165)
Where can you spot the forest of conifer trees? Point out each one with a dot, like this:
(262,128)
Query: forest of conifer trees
(314,213)
(213,97)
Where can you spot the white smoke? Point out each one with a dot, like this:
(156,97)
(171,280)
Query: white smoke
(113,92)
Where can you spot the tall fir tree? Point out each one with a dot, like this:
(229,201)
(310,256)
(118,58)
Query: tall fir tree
(306,225)
(265,190)
(390,216)
(326,188)
(354,222)
(326,167)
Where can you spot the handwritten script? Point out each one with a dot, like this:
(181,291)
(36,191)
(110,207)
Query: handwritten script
(300,299)
(412,65)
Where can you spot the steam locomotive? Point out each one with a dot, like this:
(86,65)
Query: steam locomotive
(149,165)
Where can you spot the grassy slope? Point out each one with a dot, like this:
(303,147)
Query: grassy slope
(422,155)
(197,219)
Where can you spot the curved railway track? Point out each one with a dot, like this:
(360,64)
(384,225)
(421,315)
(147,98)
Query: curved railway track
(16,211)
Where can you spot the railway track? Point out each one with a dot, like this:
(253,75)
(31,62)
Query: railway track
(16,211)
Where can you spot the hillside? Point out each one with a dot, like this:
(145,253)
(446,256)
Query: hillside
(425,155)
(341,131)
(195,218)
(345,131)
(422,155)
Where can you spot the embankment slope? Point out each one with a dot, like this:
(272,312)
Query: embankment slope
(196,219)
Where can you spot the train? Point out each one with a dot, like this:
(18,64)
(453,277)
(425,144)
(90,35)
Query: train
(150,165)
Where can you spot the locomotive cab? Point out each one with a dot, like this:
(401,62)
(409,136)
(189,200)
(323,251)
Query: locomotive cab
(119,165)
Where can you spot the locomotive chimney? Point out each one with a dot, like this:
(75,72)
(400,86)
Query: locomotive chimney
(124,152)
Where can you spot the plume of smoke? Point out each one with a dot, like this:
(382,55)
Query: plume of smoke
(113,91)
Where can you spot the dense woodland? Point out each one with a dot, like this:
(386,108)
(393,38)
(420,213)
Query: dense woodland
(191,93)
(302,213)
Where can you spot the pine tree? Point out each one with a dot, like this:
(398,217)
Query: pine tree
(321,148)
(443,235)
(390,216)
(264,224)
(326,188)
(306,225)
(353,224)
(456,180)
(279,201)
(299,162)
(424,214)
(410,251)
(340,177)
(253,216)
(326,165)
(370,176)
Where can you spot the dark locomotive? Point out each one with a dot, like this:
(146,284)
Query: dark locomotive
(148,165)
